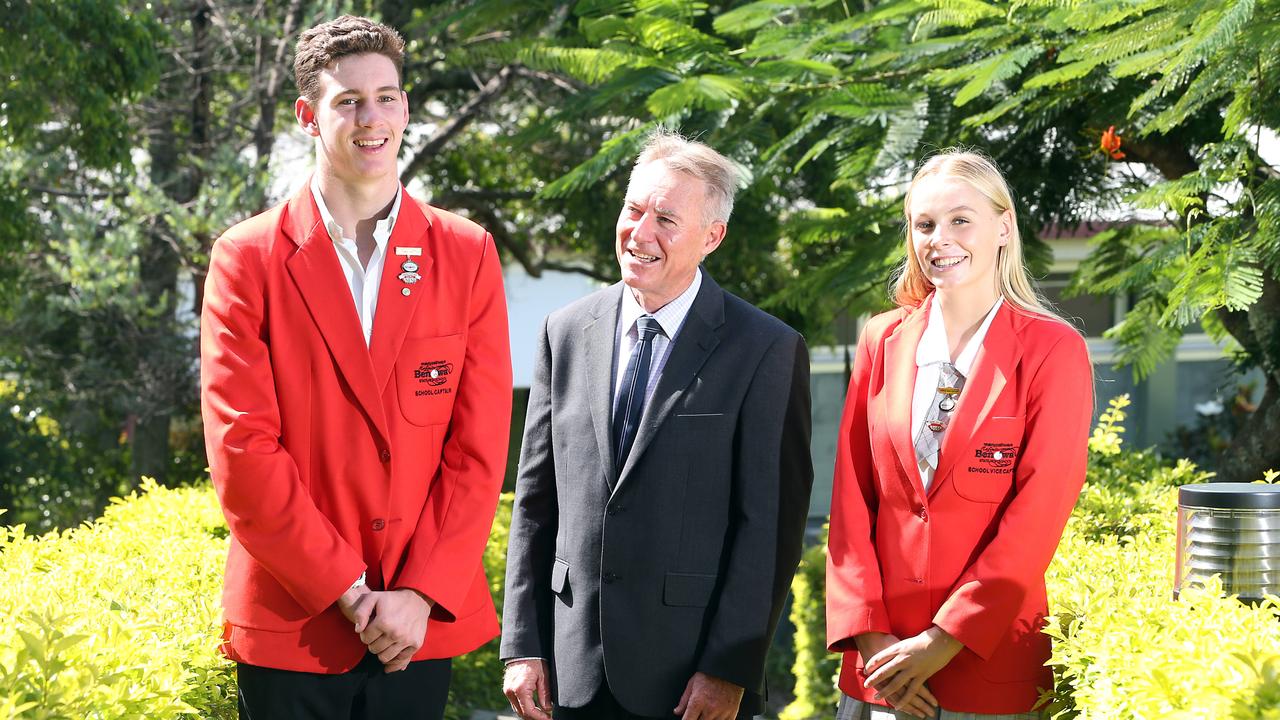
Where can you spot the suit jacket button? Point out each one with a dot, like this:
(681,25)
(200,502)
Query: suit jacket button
(385,455)
(924,515)
(614,509)
(378,524)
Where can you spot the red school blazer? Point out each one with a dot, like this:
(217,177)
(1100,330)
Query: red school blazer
(970,554)
(333,458)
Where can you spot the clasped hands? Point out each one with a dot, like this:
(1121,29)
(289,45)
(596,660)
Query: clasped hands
(391,623)
(705,697)
(897,669)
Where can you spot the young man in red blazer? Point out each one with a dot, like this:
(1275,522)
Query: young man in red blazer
(356,392)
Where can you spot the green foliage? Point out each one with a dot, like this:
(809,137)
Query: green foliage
(1123,647)
(120,618)
(79,62)
(477,676)
(815,669)
(117,618)
(55,477)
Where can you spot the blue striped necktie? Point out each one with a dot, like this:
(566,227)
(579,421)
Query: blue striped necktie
(626,417)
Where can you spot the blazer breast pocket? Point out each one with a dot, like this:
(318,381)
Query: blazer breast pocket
(688,589)
(985,473)
(427,374)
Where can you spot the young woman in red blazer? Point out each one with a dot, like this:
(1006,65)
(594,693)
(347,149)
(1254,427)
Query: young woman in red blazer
(962,450)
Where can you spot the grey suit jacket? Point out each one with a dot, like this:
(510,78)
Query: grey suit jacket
(680,562)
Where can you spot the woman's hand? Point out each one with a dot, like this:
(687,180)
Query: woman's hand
(922,704)
(899,671)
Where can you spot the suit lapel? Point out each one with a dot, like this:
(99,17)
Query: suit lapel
(992,368)
(317,273)
(395,309)
(900,385)
(599,339)
(693,345)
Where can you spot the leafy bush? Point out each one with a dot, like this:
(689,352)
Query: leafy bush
(477,676)
(815,668)
(1123,647)
(121,618)
(118,618)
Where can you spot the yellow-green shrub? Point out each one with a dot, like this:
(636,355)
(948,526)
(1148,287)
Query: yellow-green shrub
(118,618)
(1123,647)
(815,668)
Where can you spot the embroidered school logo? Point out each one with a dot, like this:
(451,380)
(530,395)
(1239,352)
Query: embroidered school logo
(994,457)
(433,372)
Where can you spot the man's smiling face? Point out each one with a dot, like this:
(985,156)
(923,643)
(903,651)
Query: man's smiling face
(359,118)
(663,233)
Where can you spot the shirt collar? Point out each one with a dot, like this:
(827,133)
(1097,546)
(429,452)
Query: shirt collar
(381,231)
(670,316)
(933,347)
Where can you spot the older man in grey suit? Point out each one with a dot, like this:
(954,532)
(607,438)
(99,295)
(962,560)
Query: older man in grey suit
(665,474)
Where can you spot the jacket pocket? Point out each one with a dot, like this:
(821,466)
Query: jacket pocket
(985,473)
(688,589)
(559,576)
(427,374)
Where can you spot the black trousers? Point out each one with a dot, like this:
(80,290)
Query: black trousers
(365,693)
(604,706)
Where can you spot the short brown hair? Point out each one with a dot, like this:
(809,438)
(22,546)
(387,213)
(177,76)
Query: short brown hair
(347,35)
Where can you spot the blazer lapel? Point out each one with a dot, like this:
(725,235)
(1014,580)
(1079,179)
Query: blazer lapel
(318,275)
(598,341)
(992,368)
(693,345)
(395,309)
(900,385)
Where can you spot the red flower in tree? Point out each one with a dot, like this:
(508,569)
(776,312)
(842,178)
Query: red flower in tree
(1110,143)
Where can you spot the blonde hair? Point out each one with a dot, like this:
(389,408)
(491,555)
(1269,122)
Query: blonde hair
(1013,282)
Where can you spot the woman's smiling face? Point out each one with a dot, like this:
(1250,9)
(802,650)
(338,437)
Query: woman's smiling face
(956,234)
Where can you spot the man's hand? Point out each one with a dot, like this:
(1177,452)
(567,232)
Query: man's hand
(899,671)
(395,625)
(351,604)
(525,684)
(709,698)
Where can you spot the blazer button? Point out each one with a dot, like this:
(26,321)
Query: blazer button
(614,509)
(378,524)
(924,515)
(609,577)
(385,455)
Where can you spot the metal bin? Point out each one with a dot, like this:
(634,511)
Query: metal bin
(1231,530)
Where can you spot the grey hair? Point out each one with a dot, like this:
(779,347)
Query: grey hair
(719,174)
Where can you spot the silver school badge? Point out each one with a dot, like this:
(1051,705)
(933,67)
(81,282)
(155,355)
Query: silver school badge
(410,268)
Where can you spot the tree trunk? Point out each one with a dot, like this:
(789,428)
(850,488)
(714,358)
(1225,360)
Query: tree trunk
(1255,448)
(163,368)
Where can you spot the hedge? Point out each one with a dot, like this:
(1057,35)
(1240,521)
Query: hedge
(117,618)
(1123,647)
(120,618)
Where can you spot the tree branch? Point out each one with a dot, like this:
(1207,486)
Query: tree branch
(521,253)
(446,130)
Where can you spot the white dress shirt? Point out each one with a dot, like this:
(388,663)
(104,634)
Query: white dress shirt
(670,316)
(363,281)
(932,351)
